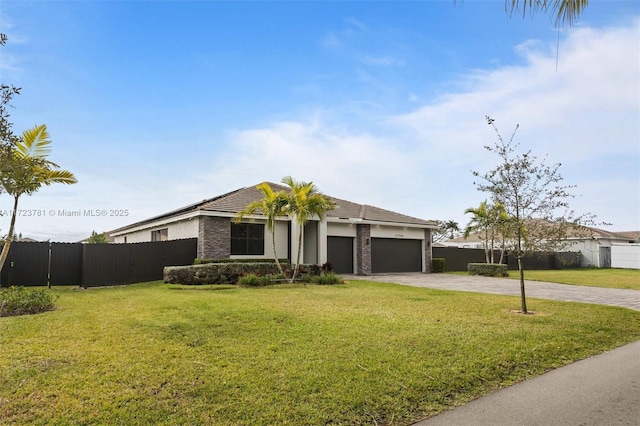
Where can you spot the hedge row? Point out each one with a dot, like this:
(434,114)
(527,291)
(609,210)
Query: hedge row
(488,269)
(230,271)
(216,273)
(203,261)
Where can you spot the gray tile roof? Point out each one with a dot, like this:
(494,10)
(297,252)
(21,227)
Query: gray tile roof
(238,200)
(587,233)
(235,201)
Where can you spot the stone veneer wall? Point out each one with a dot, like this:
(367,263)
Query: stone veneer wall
(363,249)
(214,237)
(427,250)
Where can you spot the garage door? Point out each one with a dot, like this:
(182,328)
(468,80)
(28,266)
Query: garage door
(340,254)
(392,255)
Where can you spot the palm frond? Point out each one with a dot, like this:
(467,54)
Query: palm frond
(35,143)
(566,11)
(49,176)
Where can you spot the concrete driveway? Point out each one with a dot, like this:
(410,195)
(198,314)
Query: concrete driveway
(536,289)
(601,390)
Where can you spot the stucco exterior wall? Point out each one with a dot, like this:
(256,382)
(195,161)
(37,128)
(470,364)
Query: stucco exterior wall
(175,231)
(385,231)
(341,229)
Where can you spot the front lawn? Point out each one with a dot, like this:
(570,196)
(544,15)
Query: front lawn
(360,353)
(611,278)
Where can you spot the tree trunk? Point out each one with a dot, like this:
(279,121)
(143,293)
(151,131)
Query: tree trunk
(492,253)
(7,243)
(523,298)
(486,246)
(295,271)
(502,250)
(275,254)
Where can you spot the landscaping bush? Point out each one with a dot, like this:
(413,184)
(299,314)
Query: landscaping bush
(216,273)
(248,274)
(488,269)
(327,267)
(329,278)
(438,264)
(252,280)
(205,261)
(322,279)
(256,280)
(21,301)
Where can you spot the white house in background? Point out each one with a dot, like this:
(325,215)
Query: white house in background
(354,238)
(596,247)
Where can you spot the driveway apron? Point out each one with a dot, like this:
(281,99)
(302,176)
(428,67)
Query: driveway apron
(535,289)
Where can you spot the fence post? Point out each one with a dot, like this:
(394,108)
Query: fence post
(49,268)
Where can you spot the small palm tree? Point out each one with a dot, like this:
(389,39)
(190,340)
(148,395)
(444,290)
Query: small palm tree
(480,223)
(25,169)
(271,205)
(304,202)
(492,222)
(451,227)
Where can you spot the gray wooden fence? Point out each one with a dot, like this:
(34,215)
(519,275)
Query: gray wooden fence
(91,265)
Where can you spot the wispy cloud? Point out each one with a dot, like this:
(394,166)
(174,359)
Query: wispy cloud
(580,114)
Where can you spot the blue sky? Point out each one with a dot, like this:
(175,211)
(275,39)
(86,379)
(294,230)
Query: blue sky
(158,104)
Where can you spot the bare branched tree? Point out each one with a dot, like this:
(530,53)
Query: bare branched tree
(535,200)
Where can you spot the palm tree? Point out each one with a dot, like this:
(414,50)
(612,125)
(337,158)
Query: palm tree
(304,202)
(271,206)
(567,11)
(480,223)
(451,227)
(492,222)
(502,224)
(25,170)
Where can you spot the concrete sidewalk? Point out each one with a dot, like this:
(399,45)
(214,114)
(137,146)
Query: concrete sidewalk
(601,390)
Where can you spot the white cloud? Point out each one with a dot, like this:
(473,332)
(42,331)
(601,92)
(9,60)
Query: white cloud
(584,111)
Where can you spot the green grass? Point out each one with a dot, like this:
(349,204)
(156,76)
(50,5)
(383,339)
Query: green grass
(360,353)
(610,278)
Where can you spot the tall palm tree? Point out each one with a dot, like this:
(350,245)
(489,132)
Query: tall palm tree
(304,202)
(25,170)
(271,206)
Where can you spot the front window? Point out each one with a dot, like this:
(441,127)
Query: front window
(247,238)
(160,235)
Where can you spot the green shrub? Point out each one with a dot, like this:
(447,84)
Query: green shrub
(21,301)
(252,280)
(322,279)
(438,264)
(325,279)
(488,269)
(199,261)
(257,280)
(216,273)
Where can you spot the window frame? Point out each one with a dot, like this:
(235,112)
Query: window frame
(247,239)
(160,234)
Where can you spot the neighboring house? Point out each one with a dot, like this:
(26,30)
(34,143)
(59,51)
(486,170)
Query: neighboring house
(595,247)
(354,238)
